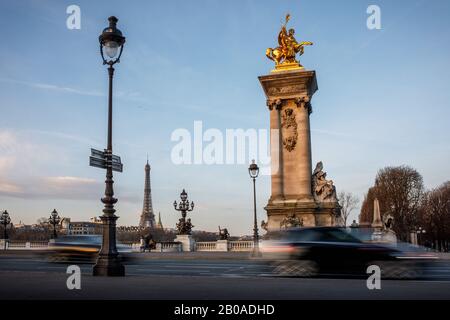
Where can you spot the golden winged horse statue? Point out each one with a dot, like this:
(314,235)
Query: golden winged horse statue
(284,54)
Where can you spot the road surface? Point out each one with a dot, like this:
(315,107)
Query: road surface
(198,277)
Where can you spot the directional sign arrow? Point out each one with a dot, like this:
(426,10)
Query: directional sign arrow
(117,167)
(96,162)
(115,159)
(97,154)
(99,159)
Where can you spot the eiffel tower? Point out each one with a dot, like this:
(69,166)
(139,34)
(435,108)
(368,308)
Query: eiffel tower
(147,217)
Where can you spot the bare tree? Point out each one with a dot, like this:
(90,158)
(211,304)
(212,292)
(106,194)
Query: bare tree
(400,191)
(435,217)
(366,215)
(348,202)
(158,235)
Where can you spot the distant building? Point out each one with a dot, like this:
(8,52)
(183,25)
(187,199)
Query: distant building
(93,226)
(96,220)
(128,228)
(65,224)
(245,238)
(20,226)
(28,227)
(81,227)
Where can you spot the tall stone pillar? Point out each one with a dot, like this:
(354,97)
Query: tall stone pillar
(275,154)
(289,95)
(300,196)
(302,158)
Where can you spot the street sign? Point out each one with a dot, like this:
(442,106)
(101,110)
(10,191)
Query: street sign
(115,159)
(98,159)
(96,162)
(97,153)
(117,167)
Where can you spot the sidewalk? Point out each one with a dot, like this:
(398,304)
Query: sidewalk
(443,255)
(193,255)
(203,255)
(147,255)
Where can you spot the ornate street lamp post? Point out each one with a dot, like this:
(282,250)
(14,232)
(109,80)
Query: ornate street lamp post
(183,226)
(419,233)
(54,220)
(253,171)
(108,263)
(5,220)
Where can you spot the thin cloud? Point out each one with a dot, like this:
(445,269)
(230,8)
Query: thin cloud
(64,187)
(65,136)
(22,178)
(7,188)
(69,181)
(53,87)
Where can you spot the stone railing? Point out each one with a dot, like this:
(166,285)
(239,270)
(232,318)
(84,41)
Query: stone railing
(133,246)
(38,244)
(23,245)
(128,244)
(169,246)
(240,245)
(18,245)
(224,245)
(206,246)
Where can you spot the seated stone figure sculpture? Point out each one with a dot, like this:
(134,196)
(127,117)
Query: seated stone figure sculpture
(323,189)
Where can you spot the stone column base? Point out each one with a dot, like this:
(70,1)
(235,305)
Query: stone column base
(4,244)
(313,214)
(187,242)
(222,245)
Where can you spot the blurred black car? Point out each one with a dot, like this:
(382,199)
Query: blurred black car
(331,250)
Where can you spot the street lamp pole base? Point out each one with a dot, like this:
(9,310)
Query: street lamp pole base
(256,253)
(109,267)
(109,263)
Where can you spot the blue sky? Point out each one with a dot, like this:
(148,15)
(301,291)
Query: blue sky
(383,99)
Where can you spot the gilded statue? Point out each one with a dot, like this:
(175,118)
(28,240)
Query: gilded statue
(284,54)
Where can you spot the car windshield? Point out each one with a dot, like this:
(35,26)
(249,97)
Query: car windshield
(337,235)
(319,234)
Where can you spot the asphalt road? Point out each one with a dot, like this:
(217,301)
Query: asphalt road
(30,277)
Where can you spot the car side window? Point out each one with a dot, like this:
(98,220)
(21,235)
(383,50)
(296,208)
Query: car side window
(305,235)
(337,236)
